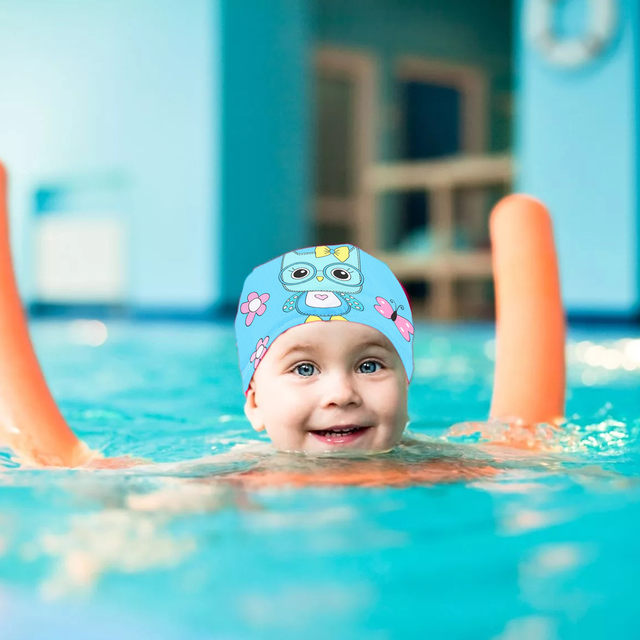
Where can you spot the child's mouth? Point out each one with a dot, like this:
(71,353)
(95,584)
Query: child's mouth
(340,435)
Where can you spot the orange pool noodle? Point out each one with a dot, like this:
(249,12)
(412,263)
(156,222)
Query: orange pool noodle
(30,421)
(530,330)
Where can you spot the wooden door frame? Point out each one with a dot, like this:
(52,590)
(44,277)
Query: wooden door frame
(359,67)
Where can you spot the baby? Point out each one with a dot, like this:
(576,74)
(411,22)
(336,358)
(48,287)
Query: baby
(325,341)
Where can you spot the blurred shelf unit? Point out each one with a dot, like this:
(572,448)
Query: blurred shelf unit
(439,270)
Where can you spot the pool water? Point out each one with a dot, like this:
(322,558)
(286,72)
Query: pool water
(545,548)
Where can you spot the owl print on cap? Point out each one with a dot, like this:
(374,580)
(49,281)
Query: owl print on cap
(324,280)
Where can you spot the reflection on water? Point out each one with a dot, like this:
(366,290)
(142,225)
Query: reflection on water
(108,540)
(129,529)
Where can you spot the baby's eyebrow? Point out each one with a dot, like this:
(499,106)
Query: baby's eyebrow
(306,347)
(374,343)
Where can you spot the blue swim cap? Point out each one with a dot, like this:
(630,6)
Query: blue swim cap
(320,283)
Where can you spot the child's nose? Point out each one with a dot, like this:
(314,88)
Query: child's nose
(341,390)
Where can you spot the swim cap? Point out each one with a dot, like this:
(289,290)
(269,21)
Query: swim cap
(320,283)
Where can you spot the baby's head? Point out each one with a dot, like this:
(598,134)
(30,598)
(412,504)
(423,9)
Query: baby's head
(325,340)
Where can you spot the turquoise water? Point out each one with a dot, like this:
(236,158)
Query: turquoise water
(545,548)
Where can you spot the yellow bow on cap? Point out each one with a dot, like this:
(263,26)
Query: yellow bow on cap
(342,253)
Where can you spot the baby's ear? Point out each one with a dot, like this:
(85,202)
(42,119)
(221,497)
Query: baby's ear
(251,409)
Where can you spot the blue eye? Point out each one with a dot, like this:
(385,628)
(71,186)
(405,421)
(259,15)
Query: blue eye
(305,369)
(370,366)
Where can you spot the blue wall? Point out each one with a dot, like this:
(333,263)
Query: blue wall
(122,93)
(266,62)
(577,151)
(194,112)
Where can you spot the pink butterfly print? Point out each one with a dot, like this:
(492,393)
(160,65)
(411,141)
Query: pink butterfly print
(404,326)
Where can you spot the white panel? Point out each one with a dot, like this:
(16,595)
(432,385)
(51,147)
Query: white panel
(80,259)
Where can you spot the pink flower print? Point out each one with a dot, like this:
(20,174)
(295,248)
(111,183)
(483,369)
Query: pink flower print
(261,349)
(255,304)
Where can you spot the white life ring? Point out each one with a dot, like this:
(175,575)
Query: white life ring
(570,52)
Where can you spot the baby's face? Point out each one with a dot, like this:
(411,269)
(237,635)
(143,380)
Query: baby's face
(327,386)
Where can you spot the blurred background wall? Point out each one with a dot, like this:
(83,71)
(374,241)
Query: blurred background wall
(577,147)
(265,147)
(158,150)
(464,32)
(111,109)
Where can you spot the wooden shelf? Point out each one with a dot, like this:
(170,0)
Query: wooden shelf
(455,172)
(461,264)
(438,179)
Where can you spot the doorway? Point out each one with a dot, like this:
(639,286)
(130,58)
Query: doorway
(442,114)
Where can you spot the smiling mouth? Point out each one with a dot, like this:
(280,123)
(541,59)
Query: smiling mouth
(340,435)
